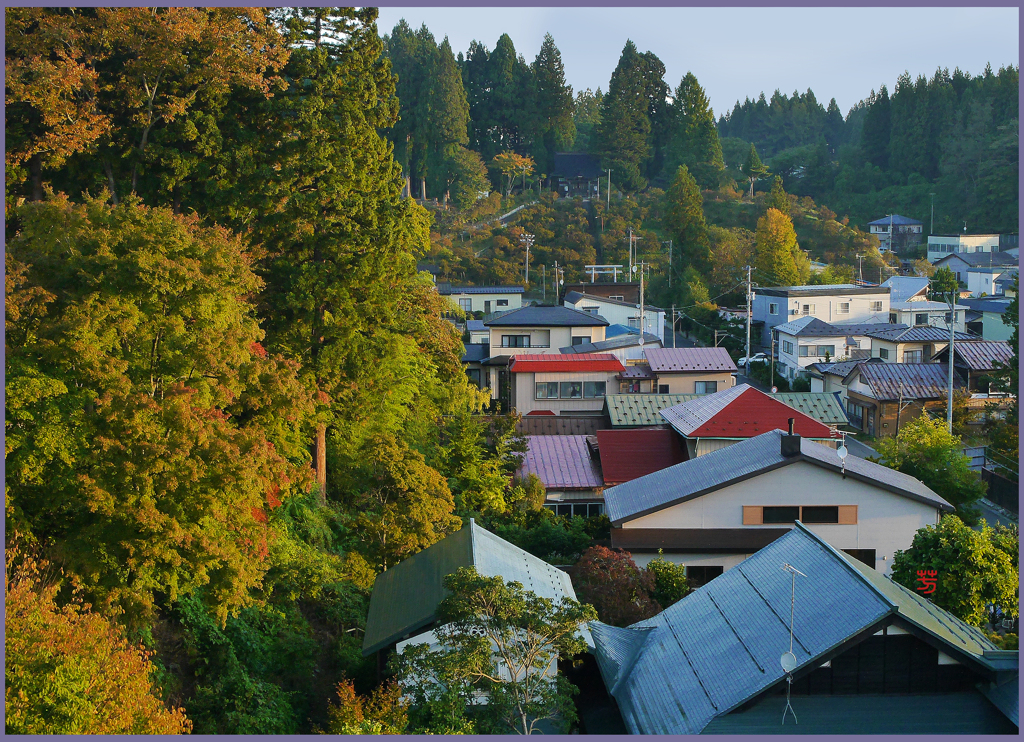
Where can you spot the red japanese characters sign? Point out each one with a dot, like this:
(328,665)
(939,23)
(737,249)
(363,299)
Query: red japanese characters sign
(927,579)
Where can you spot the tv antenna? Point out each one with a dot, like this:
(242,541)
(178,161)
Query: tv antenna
(788,659)
(842,452)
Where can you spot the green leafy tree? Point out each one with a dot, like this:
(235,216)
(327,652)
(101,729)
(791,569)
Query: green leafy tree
(586,116)
(975,567)
(1004,430)
(693,136)
(383,712)
(511,166)
(503,640)
(777,198)
(464,177)
(775,256)
(68,670)
(670,582)
(925,449)
(753,168)
(943,285)
(684,216)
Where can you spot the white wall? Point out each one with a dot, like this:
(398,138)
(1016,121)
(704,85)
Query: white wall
(542,339)
(825,308)
(479,301)
(686,383)
(618,314)
(885,522)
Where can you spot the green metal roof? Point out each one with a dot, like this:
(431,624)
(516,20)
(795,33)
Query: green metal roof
(822,406)
(405,597)
(641,410)
(940,713)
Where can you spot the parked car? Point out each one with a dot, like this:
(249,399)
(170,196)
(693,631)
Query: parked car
(756,358)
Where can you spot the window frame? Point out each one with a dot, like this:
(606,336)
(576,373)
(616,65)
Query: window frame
(595,384)
(787,347)
(506,344)
(547,388)
(563,384)
(773,307)
(843,308)
(698,385)
(883,353)
(466,305)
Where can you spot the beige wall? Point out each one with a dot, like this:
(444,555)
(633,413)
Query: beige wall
(885,521)
(479,301)
(525,386)
(896,351)
(685,383)
(542,339)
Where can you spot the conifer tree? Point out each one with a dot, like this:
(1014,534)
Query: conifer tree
(753,168)
(556,127)
(622,135)
(684,216)
(777,199)
(447,115)
(693,137)
(877,130)
(834,127)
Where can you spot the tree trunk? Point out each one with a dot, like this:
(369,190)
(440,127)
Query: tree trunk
(423,188)
(320,463)
(110,181)
(35,169)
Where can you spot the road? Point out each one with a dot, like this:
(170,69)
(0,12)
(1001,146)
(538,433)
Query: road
(993,514)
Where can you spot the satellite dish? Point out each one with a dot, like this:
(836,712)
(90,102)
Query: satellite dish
(561,282)
(640,342)
(788,662)
(843,451)
(634,269)
(775,390)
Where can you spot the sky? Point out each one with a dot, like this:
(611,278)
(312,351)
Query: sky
(843,53)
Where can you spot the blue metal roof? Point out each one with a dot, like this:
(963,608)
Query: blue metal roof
(720,645)
(897,221)
(546,317)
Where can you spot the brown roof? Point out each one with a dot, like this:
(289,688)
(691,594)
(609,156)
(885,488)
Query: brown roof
(669,360)
(890,382)
(629,454)
(979,355)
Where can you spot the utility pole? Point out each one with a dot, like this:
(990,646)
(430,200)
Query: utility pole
(669,263)
(609,189)
(631,250)
(527,239)
(952,337)
(641,265)
(716,338)
(544,280)
(931,226)
(899,409)
(860,267)
(746,371)
(673,325)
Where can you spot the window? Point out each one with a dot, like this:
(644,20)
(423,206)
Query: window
(820,514)
(829,350)
(576,509)
(921,318)
(780,514)
(618,298)
(705,387)
(808,309)
(806,350)
(570,389)
(893,318)
(466,304)
(773,308)
(502,302)
(787,347)
(593,389)
(662,388)
(591,310)
(844,307)
(856,414)
(547,390)
(876,306)
(634,322)
(703,575)
(474,375)
(864,555)
(515,341)
(883,353)
(580,339)
(912,356)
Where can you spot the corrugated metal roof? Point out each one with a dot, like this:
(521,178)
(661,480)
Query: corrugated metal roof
(892,381)
(669,360)
(546,317)
(814,327)
(739,412)
(564,363)
(841,368)
(619,341)
(896,220)
(901,288)
(919,334)
(1006,698)
(980,355)
(720,645)
(996,305)
(448,290)
(640,410)
(717,469)
(843,289)
(405,597)
(637,372)
(630,454)
(561,462)
(822,406)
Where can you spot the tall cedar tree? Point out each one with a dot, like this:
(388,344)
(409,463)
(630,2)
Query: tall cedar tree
(877,130)
(447,116)
(684,217)
(776,243)
(754,168)
(777,198)
(555,123)
(622,136)
(412,56)
(693,137)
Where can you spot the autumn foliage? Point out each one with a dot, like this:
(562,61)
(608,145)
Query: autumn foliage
(610,581)
(383,712)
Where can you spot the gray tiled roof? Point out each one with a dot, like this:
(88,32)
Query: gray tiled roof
(892,381)
(720,645)
(980,355)
(814,327)
(476,352)
(475,325)
(619,341)
(405,597)
(712,471)
(896,220)
(919,334)
(988,304)
(841,368)
(546,317)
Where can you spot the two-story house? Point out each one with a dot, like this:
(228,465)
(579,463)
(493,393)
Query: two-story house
(944,245)
(691,370)
(827,378)
(985,317)
(808,340)
(989,280)
(975,360)
(896,232)
(835,304)
(926,312)
(961,262)
(882,397)
(560,384)
(619,312)
(910,344)
(534,330)
(484,299)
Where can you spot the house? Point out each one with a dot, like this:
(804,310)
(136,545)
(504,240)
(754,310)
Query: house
(989,280)
(570,470)
(720,420)
(870,656)
(915,313)
(691,370)
(644,410)
(834,304)
(638,379)
(562,384)
(975,360)
(895,232)
(827,378)
(537,330)
(627,348)
(985,317)
(628,291)
(962,262)
(619,312)
(405,597)
(715,510)
(943,245)
(880,397)
(478,333)
(576,174)
(1003,285)
(473,358)
(630,454)
(808,340)
(484,299)
(907,288)
(910,344)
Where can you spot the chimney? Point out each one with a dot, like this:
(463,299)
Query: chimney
(790,442)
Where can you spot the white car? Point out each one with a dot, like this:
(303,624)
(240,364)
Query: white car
(756,358)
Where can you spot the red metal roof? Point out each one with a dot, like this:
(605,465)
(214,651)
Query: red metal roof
(564,363)
(741,412)
(630,454)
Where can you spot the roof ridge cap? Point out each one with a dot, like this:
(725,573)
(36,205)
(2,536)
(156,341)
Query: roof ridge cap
(835,552)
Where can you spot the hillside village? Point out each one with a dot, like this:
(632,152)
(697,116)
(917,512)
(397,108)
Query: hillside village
(360,385)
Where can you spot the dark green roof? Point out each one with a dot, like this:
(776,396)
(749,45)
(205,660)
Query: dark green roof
(822,406)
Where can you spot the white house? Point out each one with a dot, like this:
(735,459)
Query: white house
(619,312)
(984,280)
(921,313)
(808,340)
(897,230)
(962,262)
(835,304)
(942,245)
(484,299)
(714,511)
